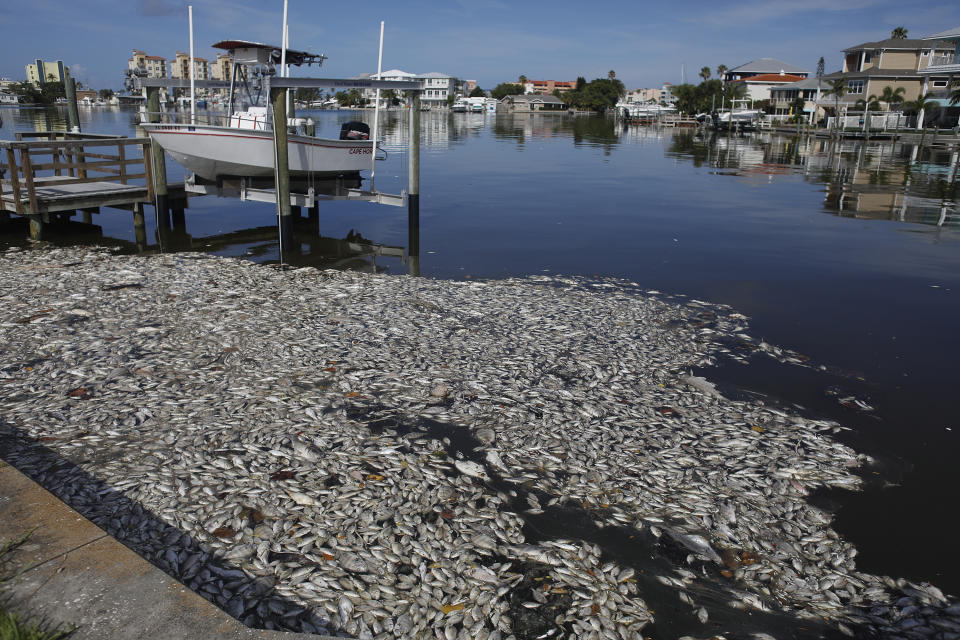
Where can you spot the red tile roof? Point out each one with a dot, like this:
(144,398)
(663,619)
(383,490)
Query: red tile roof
(772,77)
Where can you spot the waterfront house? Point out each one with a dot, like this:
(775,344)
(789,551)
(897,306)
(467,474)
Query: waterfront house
(759,86)
(531,103)
(810,89)
(870,67)
(40,71)
(763,66)
(154,66)
(942,70)
(437,86)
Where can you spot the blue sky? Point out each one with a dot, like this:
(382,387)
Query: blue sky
(490,41)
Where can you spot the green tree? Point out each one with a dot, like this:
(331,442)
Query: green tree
(838,89)
(105,94)
(872,103)
(611,75)
(893,97)
(581,83)
(506,89)
(796,107)
(955,94)
(924,103)
(597,95)
(704,73)
(390,95)
(478,93)
(342,97)
(307,95)
(899,33)
(721,70)
(523,83)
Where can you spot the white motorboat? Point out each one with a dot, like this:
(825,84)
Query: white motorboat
(738,117)
(460,106)
(645,110)
(243,146)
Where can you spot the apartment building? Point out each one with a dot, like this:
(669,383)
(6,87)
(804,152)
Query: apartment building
(180,67)
(222,67)
(547,87)
(155,66)
(39,71)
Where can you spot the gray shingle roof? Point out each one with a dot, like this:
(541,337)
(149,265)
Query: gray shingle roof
(530,97)
(893,43)
(767,65)
(949,33)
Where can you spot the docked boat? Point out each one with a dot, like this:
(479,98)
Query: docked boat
(738,116)
(460,106)
(241,145)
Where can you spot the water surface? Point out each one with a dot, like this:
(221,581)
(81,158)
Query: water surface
(847,252)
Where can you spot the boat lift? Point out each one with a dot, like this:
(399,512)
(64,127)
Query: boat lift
(276,88)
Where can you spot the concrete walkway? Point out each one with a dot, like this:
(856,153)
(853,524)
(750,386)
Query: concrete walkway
(71,572)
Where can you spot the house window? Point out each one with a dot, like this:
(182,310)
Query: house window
(940,83)
(855,86)
(867,57)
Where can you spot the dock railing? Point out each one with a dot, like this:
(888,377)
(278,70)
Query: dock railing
(64,158)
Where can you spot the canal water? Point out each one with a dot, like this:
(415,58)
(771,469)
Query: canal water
(848,253)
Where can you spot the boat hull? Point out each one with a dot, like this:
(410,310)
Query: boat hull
(211,152)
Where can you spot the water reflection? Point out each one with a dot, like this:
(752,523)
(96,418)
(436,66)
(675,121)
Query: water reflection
(869,180)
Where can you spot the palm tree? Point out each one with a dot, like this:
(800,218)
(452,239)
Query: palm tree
(892,96)
(705,73)
(611,74)
(955,95)
(921,104)
(838,89)
(899,33)
(721,70)
(872,103)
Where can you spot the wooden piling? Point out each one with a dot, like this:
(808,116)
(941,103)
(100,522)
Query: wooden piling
(73,115)
(161,202)
(139,226)
(413,186)
(281,171)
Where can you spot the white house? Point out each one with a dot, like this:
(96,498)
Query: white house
(437,86)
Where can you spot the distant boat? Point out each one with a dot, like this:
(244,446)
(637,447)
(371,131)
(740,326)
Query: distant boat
(460,106)
(738,116)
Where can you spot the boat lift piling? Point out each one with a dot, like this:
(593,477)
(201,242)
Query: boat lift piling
(289,203)
(161,204)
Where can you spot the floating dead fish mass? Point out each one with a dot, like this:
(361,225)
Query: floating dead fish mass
(362,455)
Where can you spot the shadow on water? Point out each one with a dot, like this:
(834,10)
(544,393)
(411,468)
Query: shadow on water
(651,556)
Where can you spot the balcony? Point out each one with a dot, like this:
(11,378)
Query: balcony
(943,64)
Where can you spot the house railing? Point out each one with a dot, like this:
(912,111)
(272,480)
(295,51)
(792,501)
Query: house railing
(942,60)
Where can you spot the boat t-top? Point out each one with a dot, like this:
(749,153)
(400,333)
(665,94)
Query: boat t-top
(242,144)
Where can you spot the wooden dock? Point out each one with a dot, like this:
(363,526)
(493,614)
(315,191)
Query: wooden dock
(49,173)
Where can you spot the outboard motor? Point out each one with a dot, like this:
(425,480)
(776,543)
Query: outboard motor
(354,131)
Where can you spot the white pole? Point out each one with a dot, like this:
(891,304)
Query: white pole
(376,113)
(193,97)
(283,44)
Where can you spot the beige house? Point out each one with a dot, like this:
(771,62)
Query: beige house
(155,66)
(870,67)
(943,71)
